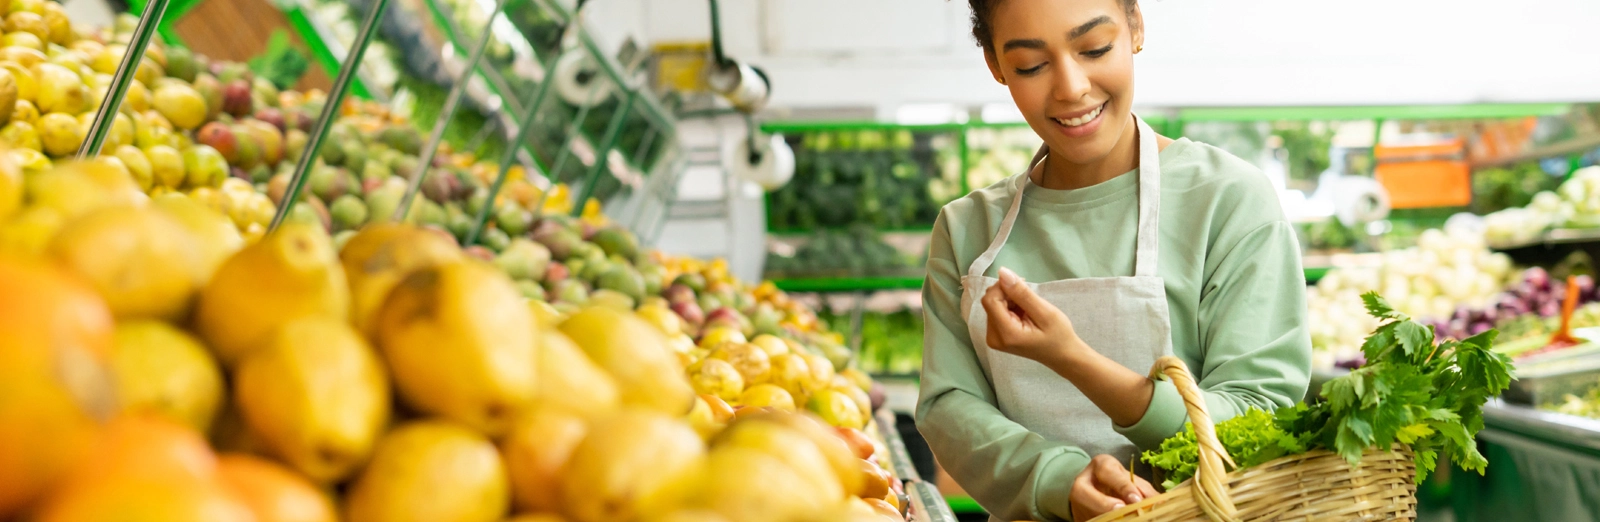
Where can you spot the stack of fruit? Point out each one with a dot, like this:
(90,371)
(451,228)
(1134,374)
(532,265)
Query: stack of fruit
(214,132)
(155,372)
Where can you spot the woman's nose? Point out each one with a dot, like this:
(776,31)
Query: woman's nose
(1071,82)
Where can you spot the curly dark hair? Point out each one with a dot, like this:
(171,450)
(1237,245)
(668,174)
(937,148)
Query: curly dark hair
(983,9)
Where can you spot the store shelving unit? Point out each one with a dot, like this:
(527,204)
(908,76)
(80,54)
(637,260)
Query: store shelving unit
(621,151)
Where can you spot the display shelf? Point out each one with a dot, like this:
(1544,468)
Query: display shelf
(1573,147)
(964,505)
(927,505)
(848,284)
(326,49)
(1374,112)
(1553,246)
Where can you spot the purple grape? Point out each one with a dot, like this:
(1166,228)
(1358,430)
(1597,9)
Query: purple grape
(1478,328)
(1351,364)
(1463,312)
(1525,289)
(1549,309)
(1491,316)
(1538,277)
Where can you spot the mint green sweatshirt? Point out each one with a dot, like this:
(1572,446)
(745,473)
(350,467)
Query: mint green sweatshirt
(1230,262)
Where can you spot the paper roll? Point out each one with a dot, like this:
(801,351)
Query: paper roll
(1360,199)
(774,168)
(579,80)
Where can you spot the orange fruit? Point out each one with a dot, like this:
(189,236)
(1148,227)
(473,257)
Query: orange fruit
(148,448)
(271,491)
(54,377)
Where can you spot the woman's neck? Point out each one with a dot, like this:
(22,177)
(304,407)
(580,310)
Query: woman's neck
(1062,175)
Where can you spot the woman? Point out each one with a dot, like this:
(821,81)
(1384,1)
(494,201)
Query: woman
(1034,395)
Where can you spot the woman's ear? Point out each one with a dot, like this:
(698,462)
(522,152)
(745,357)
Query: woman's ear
(994,66)
(1136,27)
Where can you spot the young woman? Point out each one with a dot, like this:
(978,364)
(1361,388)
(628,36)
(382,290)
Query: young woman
(1034,394)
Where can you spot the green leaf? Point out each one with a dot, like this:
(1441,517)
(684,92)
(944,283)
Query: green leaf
(1379,343)
(1426,461)
(1410,434)
(1379,307)
(1414,338)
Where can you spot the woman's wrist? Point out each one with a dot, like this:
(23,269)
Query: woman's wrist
(1070,357)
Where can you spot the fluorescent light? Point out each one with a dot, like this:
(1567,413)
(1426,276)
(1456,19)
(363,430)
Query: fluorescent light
(926,113)
(1001,113)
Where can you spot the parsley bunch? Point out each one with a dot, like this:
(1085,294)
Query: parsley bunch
(1411,391)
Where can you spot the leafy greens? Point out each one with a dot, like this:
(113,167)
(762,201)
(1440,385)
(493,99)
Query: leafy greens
(1411,391)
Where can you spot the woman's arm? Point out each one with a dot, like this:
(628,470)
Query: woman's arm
(1256,352)
(1255,347)
(1022,323)
(1013,473)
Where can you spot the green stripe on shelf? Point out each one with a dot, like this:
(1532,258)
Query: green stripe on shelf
(1314,274)
(964,505)
(848,284)
(1393,112)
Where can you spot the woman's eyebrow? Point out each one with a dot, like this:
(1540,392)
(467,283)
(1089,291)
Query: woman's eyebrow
(1024,44)
(1088,26)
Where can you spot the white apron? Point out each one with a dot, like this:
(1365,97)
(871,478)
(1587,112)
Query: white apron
(1122,318)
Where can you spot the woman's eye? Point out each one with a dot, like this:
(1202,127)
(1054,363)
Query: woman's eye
(1098,52)
(1030,70)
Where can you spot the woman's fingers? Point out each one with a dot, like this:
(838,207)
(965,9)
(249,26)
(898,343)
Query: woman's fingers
(1087,499)
(1016,291)
(1145,488)
(1113,479)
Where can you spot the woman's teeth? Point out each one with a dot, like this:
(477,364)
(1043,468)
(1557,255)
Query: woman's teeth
(1081,120)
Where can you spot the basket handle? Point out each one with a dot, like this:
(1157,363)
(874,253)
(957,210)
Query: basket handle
(1210,483)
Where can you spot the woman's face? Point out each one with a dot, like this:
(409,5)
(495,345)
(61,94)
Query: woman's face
(1069,65)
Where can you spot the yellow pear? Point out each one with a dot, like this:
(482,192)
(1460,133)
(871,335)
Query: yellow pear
(461,344)
(749,484)
(568,380)
(536,453)
(162,370)
(634,352)
(11,187)
(431,471)
(290,274)
(379,256)
(75,188)
(716,377)
(316,395)
(788,445)
(142,262)
(627,461)
(217,237)
(835,451)
(28,233)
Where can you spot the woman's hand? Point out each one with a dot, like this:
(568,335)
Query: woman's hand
(1105,486)
(1023,324)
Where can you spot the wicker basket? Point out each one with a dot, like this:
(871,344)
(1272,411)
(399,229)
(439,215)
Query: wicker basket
(1315,486)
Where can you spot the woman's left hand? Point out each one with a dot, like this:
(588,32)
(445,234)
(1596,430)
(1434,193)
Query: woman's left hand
(1023,324)
(1106,486)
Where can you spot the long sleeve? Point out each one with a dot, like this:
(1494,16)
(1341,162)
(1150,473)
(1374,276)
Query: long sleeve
(1013,473)
(1255,348)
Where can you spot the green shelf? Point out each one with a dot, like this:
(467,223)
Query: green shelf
(1391,112)
(847,284)
(964,505)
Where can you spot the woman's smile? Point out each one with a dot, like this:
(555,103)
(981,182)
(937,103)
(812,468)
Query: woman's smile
(1080,123)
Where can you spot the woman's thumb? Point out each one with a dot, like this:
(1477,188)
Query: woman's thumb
(1017,292)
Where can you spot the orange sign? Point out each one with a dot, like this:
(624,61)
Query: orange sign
(1423,176)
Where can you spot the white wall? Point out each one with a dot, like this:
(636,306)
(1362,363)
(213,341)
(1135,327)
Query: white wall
(882,53)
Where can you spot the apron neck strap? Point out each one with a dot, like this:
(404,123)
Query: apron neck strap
(1146,249)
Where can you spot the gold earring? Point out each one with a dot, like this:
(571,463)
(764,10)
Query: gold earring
(1002,80)
(1139,49)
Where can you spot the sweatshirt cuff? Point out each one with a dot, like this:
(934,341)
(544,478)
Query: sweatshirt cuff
(1052,492)
(1163,419)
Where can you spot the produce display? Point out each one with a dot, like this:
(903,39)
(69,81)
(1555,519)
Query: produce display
(379,67)
(1575,204)
(1587,405)
(1445,271)
(1414,390)
(1496,189)
(858,251)
(891,343)
(878,178)
(169,359)
(997,153)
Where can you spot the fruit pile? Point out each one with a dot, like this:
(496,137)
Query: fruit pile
(153,371)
